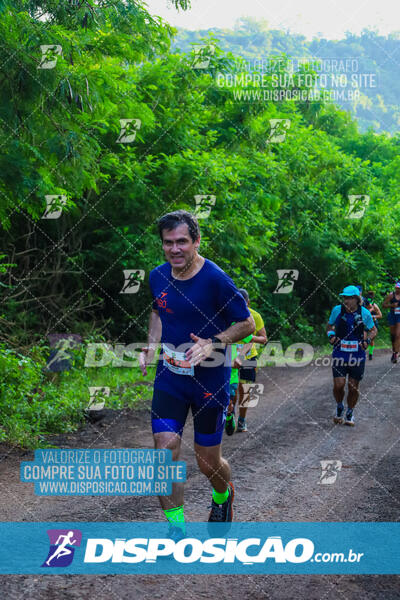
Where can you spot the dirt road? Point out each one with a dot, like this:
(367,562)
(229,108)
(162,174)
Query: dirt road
(276,470)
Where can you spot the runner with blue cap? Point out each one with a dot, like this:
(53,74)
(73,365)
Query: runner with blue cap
(392,301)
(350,330)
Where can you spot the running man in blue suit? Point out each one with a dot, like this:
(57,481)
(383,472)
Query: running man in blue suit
(350,330)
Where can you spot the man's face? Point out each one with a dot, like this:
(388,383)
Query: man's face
(350,303)
(179,249)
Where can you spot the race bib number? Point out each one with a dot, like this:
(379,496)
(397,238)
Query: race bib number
(349,346)
(397,310)
(176,362)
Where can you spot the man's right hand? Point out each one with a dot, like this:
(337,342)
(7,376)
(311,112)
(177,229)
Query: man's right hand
(333,340)
(145,357)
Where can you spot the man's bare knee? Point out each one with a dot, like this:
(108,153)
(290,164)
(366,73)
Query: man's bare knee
(353,384)
(209,462)
(168,440)
(208,466)
(339,384)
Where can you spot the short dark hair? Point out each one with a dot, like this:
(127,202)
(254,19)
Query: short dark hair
(244,294)
(178,217)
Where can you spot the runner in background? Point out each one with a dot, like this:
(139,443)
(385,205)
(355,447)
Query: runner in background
(237,361)
(350,330)
(392,301)
(248,370)
(359,286)
(375,311)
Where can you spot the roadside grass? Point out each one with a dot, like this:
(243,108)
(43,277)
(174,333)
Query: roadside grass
(35,402)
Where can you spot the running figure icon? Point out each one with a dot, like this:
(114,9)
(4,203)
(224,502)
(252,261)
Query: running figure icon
(62,549)
(286,280)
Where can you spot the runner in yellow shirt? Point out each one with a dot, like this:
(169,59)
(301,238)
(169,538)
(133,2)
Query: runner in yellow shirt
(237,361)
(247,372)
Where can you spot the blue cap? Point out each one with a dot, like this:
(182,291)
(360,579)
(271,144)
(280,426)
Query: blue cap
(350,290)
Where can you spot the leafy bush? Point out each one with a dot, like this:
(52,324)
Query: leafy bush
(35,403)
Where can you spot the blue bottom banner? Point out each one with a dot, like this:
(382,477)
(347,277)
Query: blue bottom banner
(195,548)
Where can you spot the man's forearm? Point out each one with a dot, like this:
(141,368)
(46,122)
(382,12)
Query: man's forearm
(259,339)
(155,328)
(237,332)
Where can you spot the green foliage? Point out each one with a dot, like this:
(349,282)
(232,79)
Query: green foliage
(279,205)
(27,411)
(34,403)
(376,108)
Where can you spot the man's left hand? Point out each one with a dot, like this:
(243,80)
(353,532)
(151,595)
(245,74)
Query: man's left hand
(200,350)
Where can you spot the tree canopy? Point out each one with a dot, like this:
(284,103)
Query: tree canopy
(279,204)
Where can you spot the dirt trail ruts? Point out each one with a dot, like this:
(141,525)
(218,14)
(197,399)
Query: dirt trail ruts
(275,469)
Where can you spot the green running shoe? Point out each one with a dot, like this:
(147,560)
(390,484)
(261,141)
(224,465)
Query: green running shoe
(230,424)
(221,513)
